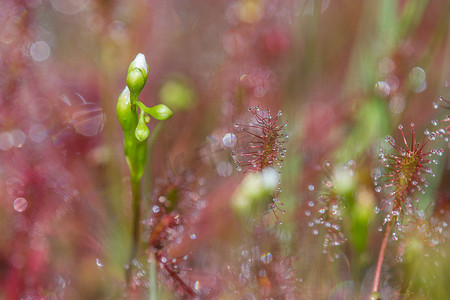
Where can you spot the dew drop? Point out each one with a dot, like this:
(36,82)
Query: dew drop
(193,236)
(394,236)
(434,122)
(156,209)
(266,258)
(20,204)
(229,140)
(378,189)
(98,263)
(382,88)
(315,232)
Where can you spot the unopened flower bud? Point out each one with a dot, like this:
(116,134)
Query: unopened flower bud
(137,74)
(142,131)
(125,115)
(160,112)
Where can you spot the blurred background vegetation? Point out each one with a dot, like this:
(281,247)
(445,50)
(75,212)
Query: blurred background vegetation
(344,74)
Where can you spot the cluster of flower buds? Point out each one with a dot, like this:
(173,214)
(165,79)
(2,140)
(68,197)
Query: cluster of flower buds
(134,122)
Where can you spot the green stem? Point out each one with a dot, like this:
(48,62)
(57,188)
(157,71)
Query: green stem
(154,286)
(152,277)
(136,193)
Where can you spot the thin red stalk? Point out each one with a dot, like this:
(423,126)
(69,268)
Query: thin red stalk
(376,280)
(175,277)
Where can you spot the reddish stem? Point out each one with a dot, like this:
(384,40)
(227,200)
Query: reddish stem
(175,277)
(376,280)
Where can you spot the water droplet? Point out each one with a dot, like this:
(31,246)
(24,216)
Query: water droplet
(266,258)
(307,213)
(311,187)
(193,236)
(99,264)
(376,209)
(400,126)
(382,88)
(229,140)
(435,105)
(434,122)
(197,285)
(378,189)
(315,232)
(156,209)
(375,173)
(20,204)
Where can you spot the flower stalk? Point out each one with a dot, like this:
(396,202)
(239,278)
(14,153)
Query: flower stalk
(133,117)
(376,280)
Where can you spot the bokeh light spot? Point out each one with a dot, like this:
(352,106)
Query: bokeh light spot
(20,204)
(69,7)
(6,141)
(40,51)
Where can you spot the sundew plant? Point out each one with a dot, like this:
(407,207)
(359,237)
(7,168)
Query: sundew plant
(244,149)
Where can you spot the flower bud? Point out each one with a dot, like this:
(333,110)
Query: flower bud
(125,115)
(142,131)
(160,112)
(137,74)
